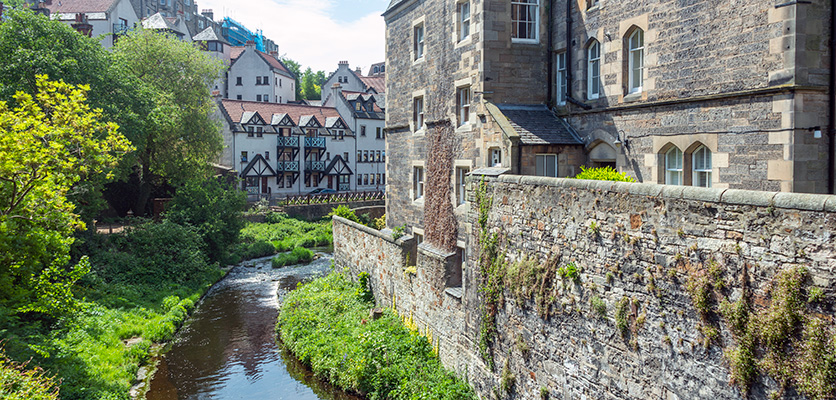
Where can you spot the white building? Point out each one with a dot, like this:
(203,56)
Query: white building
(111,18)
(354,81)
(257,76)
(283,149)
(218,48)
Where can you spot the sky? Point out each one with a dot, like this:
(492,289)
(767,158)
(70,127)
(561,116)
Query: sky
(314,33)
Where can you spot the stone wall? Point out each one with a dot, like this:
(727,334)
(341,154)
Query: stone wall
(641,242)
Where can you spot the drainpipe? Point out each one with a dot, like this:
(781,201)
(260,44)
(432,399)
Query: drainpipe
(549,57)
(831,114)
(569,79)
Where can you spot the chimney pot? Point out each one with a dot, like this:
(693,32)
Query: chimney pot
(208,13)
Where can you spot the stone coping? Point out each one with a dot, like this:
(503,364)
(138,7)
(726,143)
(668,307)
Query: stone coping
(785,200)
(385,234)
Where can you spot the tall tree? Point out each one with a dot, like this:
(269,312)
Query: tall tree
(180,137)
(296,69)
(48,143)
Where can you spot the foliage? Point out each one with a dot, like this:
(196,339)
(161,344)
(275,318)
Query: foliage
(47,144)
(398,232)
(344,212)
(599,306)
(214,210)
(308,83)
(364,292)
(180,137)
(20,383)
(440,225)
(570,271)
(603,174)
(379,223)
(622,309)
(327,326)
(492,268)
(298,255)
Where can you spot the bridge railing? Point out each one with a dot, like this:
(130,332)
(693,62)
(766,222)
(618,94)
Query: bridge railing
(340,197)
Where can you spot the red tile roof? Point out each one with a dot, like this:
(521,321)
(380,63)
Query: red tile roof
(79,6)
(377,82)
(236,108)
(235,51)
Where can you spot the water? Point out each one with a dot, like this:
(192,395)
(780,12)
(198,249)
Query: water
(227,349)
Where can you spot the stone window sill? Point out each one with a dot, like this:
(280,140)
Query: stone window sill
(454,292)
(633,97)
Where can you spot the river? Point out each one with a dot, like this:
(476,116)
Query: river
(227,349)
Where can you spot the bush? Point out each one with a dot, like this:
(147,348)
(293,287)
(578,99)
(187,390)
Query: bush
(214,210)
(325,324)
(298,255)
(345,212)
(603,174)
(20,383)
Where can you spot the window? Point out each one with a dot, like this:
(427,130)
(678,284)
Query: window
(591,3)
(463,104)
(266,155)
(365,156)
(365,179)
(383,156)
(524,20)
(359,155)
(417,182)
(383,179)
(560,79)
(418,112)
(359,180)
(464,20)
(418,38)
(327,155)
(362,129)
(238,81)
(673,166)
(280,82)
(371,179)
(701,160)
(266,98)
(258,97)
(265,80)
(593,70)
(635,60)
(280,99)
(378,133)
(259,131)
(377,156)
(238,97)
(250,131)
(496,158)
(345,156)
(243,156)
(258,80)
(461,173)
(547,165)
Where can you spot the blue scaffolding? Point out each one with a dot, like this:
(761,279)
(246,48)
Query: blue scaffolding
(238,35)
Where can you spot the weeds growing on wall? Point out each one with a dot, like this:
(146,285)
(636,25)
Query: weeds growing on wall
(491,269)
(326,324)
(439,219)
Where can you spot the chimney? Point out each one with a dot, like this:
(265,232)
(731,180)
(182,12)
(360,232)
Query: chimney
(208,13)
(250,45)
(82,26)
(275,54)
(336,90)
(344,63)
(359,71)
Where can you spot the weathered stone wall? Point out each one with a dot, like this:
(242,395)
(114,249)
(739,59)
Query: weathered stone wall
(645,242)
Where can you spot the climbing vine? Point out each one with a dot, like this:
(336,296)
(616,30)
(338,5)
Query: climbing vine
(491,270)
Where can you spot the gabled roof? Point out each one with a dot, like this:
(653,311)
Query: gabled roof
(536,124)
(159,22)
(80,6)
(208,35)
(235,52)
(335,123)
(258,166)
(252,117)
(380,65)
(273,62)
(282,119)
(234,109)
(338,166)
(377,82)
(351,98)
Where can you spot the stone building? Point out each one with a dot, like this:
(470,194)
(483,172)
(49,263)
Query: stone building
(701,93)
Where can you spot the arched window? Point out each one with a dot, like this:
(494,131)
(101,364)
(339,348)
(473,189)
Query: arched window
(635,59)
(673,166)
(593,70)
(701,161)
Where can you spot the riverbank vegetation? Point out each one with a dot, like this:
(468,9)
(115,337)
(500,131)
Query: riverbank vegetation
(280,233)
(326,324)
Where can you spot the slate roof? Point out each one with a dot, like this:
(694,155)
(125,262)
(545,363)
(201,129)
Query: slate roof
(235,109)
(159,22)
(236,51)
(80,6)
(209,34)
(392,5)
(377,82)
(536,124)
(378,65)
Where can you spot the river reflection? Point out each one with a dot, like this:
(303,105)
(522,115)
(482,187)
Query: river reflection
(228,350)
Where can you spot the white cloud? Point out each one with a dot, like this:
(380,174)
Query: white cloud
(307,34)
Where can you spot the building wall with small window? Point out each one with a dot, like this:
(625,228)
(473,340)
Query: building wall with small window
(748,81)
(258,80)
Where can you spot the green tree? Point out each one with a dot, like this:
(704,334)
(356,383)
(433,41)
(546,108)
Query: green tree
(180,137)
(47,144)
(32,44)
(214,209)
(311,86)
(296,69)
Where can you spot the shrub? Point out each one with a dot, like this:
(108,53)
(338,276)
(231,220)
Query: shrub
(214,210)
(345,212)
(603,174)
(20,383)
(298,255)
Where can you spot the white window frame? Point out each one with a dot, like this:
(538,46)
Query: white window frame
(593,70)
(418,112)
(635,57)
(418,41)
(517,7)
(417,182)
(463,101)
(496,157)
(464,20)
(461,194)
(702,155)
(674,160)
(561,79)
(545,157)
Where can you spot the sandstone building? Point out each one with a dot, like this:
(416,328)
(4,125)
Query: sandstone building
(701,93)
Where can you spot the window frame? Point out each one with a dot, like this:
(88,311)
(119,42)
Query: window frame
(707,167)
(676,171)
(516,5)
(461,193)
(418,38)
(634,72)
(546,157)
(417,182)
(463,101)
(561,79)
(463,20)
(418,113)
(593,63)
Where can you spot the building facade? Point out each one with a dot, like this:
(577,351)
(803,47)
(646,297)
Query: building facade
(700,93)
(254,75)
(110,18)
